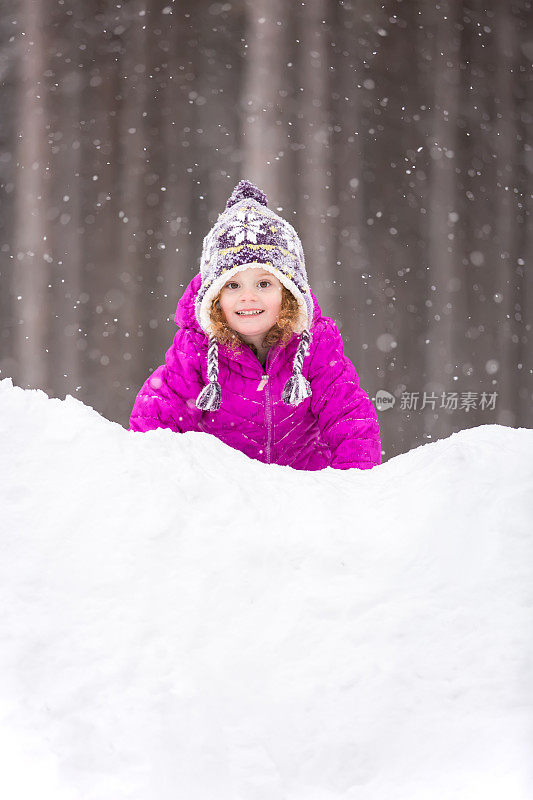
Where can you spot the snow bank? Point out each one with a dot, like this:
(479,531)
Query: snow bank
(178,621)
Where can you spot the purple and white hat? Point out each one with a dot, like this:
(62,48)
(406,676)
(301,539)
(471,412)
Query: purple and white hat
(249,234)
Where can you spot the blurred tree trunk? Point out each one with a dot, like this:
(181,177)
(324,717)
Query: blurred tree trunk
(355,306)
(177,261)
(443,300)
(507,294)
(265,80)
(524,114)
(30,248)
(64,213)
(9,172)
(123,293)
(316,198)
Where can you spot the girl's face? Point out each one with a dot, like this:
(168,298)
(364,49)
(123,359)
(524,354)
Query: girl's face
(253,290)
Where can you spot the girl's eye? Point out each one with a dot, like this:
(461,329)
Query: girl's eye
(265,281)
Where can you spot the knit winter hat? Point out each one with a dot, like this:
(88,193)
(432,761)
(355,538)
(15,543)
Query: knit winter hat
(249,234)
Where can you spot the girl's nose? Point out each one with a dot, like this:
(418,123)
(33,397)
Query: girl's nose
(248,293)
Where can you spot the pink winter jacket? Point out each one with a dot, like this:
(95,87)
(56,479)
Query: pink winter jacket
(337,426)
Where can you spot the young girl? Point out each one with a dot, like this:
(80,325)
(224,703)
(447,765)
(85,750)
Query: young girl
(254,362)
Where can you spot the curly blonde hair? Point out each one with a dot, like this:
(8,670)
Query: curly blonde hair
(280,332)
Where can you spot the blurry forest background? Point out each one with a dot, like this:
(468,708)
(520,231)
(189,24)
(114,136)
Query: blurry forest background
(395,136)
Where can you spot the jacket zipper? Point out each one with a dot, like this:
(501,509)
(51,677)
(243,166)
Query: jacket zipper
(268,409)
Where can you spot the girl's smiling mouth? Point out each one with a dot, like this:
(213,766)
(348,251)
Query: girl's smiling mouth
(250,312)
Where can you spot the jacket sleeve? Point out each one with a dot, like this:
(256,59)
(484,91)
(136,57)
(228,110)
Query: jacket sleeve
(167,399)
(346,417)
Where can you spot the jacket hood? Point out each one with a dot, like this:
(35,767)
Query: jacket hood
(186,318)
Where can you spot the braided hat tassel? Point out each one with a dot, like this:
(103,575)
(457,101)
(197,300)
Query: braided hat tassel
(297,387)
(210,397)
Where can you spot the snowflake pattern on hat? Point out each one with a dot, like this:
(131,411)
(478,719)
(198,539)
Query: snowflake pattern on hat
(246,225)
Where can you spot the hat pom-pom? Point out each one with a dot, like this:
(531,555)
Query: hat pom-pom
(210,397)
(296,390)
(246,189)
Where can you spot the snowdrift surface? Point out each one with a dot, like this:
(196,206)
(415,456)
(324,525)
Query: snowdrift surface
(178,621)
